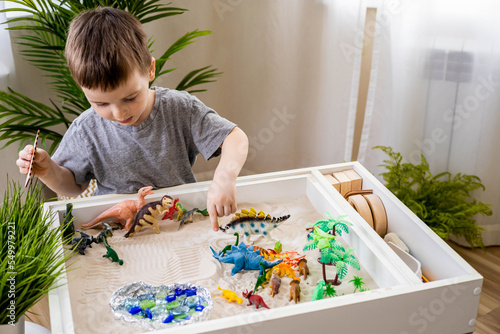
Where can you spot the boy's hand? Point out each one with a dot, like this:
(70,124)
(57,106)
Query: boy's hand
(41,163)
(221,200)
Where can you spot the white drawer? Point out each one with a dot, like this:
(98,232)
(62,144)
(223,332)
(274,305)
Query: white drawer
(401,304)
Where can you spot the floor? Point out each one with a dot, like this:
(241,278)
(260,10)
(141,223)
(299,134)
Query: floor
(488,265)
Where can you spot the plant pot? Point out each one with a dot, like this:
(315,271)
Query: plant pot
(17,328)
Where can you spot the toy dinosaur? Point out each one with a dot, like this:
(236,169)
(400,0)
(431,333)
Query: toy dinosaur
(228,247)
(82,242)
(303,268)
(275,284)
(171,211)
(123,211)
(261,279)
(244,259)
(294,291)
(67,223)
(146,216)
(285,269)
(187,217)
(254,299)
(231,296)
(111,253)
(107,232)
(249,223)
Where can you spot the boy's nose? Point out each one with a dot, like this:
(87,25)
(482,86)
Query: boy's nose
(118,113)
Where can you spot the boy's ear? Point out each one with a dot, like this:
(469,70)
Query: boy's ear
(152,69)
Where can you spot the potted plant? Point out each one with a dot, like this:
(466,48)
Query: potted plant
(47,23)
(32,255)
(443,201)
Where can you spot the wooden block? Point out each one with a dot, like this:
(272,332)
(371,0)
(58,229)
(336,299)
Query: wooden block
(358,202)
(345,182)
(356,180)
(378,212)
(333,181)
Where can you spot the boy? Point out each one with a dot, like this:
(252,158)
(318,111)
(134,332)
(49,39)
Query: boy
(133,136)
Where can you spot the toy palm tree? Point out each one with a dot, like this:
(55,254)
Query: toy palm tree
(358,283)
(336,226)
(342,260)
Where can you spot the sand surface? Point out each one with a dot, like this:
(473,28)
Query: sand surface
(180,256)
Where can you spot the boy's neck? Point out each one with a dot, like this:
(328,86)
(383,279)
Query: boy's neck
(149,108)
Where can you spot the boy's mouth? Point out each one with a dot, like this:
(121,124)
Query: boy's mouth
(128,120)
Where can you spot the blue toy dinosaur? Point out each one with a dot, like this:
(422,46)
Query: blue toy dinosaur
(245,258)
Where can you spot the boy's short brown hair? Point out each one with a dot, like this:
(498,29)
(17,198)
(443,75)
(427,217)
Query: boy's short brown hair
(104,47)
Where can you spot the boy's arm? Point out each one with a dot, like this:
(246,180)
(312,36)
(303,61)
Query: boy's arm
(221,198)
(59,179)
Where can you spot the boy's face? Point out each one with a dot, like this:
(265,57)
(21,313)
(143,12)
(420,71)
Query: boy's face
(129,104)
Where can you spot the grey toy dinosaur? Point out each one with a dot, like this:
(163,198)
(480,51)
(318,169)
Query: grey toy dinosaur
(245,258)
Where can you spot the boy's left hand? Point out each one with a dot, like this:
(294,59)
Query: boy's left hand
(221,199)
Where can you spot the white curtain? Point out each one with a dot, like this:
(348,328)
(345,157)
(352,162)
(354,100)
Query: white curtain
(6,59)
(437,92)
(288,73)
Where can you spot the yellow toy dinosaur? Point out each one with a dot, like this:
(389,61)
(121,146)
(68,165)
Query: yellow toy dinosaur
(283,269)
(231,296)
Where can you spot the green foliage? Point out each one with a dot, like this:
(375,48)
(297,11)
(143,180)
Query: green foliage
(330,291)
(319,291)
(30,250)
(358,283)
(443,201)
(47,23)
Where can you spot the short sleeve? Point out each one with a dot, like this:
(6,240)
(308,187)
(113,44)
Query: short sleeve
(209,130)
(72,153)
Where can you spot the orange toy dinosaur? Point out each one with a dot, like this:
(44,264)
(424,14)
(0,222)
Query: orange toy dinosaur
(123,211)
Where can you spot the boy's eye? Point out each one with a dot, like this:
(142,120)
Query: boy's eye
(130,99)
(101,104)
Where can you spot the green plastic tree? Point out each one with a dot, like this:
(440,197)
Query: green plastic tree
(358,283)
(335,225)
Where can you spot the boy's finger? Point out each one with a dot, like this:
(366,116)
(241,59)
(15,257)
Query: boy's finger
(212,212)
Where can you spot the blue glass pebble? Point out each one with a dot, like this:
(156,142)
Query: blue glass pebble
(179,292)
(168,319)
(180,310)
(170,298)
(149,314)
(199,308)
(190,292)
(135,310)
(192,301)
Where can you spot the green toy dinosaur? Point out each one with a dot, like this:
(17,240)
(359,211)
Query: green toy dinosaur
(261,279)
(111,253)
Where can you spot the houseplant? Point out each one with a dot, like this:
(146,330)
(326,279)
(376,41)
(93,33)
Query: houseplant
(32,257)
(47,23)
(443,201)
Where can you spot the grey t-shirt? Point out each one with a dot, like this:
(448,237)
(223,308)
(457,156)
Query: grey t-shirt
(160,152)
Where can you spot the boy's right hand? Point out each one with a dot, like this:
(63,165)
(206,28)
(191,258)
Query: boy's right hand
(41,163)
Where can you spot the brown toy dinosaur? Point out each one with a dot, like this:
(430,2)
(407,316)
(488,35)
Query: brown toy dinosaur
(275,285)
(303,268)
(295,291)
(146,216)
(123,211)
